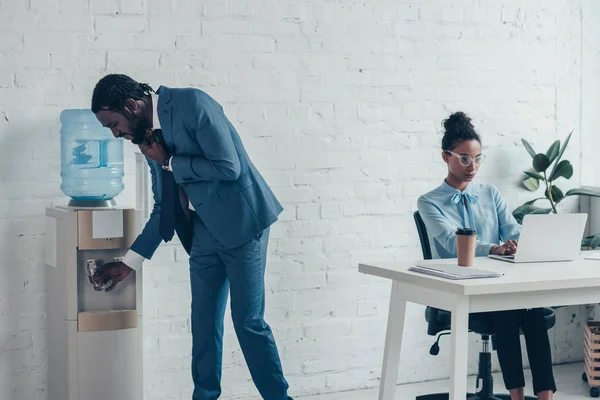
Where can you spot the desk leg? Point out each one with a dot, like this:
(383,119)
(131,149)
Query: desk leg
(393,342)
(460,348)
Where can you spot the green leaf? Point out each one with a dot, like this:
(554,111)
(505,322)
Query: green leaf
(530,209)
(525,209)
(528,147)
(595,242)
(582,192)
(563,169)
(585,242)
(534,200)
(552,152)
(560,153)
(531,184)
(557,194)
(564,147)
(534,175)
(592,241)
(542,211)
(541,162)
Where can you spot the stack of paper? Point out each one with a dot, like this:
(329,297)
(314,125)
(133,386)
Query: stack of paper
(450,271)
(591,255)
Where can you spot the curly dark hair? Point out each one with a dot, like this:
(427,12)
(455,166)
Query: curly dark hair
(113,90)
(458,128)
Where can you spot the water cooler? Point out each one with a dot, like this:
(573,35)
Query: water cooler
(94,337)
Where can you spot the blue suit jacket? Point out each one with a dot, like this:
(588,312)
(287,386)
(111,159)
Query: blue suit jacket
(209,160)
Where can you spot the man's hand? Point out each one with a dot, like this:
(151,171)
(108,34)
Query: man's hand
(153,149)
(507,248)
(113,271)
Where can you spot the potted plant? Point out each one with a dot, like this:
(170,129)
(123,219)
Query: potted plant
(548,168)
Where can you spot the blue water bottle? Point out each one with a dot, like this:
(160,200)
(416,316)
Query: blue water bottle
(91,160)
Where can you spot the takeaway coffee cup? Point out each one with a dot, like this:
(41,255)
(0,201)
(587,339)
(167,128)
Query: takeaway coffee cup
(466,240)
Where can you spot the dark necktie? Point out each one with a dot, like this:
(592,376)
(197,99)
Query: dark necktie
(174,208)
(173,205)
(167,200)
(167,206)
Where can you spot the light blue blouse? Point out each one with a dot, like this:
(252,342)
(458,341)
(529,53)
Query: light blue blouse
(479,207)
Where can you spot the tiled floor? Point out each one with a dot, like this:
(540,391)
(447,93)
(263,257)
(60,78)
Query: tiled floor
(568,381)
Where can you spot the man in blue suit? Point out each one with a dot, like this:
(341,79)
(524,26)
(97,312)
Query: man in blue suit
(207,190)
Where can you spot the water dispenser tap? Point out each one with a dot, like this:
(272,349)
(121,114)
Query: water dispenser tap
(92,266)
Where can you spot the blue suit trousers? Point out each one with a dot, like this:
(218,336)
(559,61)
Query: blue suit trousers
(214,272)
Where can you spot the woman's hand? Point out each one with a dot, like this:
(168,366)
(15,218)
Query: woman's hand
(507,248)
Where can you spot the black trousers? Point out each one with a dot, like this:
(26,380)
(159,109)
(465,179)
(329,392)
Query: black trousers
(508,348)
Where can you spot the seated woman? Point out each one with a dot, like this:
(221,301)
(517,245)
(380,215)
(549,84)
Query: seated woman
(459,203)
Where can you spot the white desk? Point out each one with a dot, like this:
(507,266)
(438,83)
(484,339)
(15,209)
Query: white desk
(522,286)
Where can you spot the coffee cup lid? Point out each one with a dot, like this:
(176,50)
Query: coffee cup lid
(466,231)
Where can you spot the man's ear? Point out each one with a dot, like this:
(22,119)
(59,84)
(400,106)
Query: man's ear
(131,105)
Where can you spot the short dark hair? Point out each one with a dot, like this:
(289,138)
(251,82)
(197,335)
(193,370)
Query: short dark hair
(113,90)
(458,128)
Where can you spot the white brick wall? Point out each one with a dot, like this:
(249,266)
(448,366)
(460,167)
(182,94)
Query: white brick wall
(339,104)
(590,121)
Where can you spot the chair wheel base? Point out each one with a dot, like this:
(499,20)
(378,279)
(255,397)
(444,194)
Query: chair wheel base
(470,396)
(499,397)
(439,396)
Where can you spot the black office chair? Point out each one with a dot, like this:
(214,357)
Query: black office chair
(439,323)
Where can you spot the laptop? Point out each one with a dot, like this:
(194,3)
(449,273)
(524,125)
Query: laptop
(548,237)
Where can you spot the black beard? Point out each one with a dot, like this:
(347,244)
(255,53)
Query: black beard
(138,137)
(139,131)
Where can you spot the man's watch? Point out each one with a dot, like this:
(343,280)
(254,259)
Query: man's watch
(166,163)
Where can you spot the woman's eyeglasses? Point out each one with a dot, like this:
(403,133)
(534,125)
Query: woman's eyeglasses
(466,160)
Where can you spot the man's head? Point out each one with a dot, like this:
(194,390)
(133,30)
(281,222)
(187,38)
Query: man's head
(124,106)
